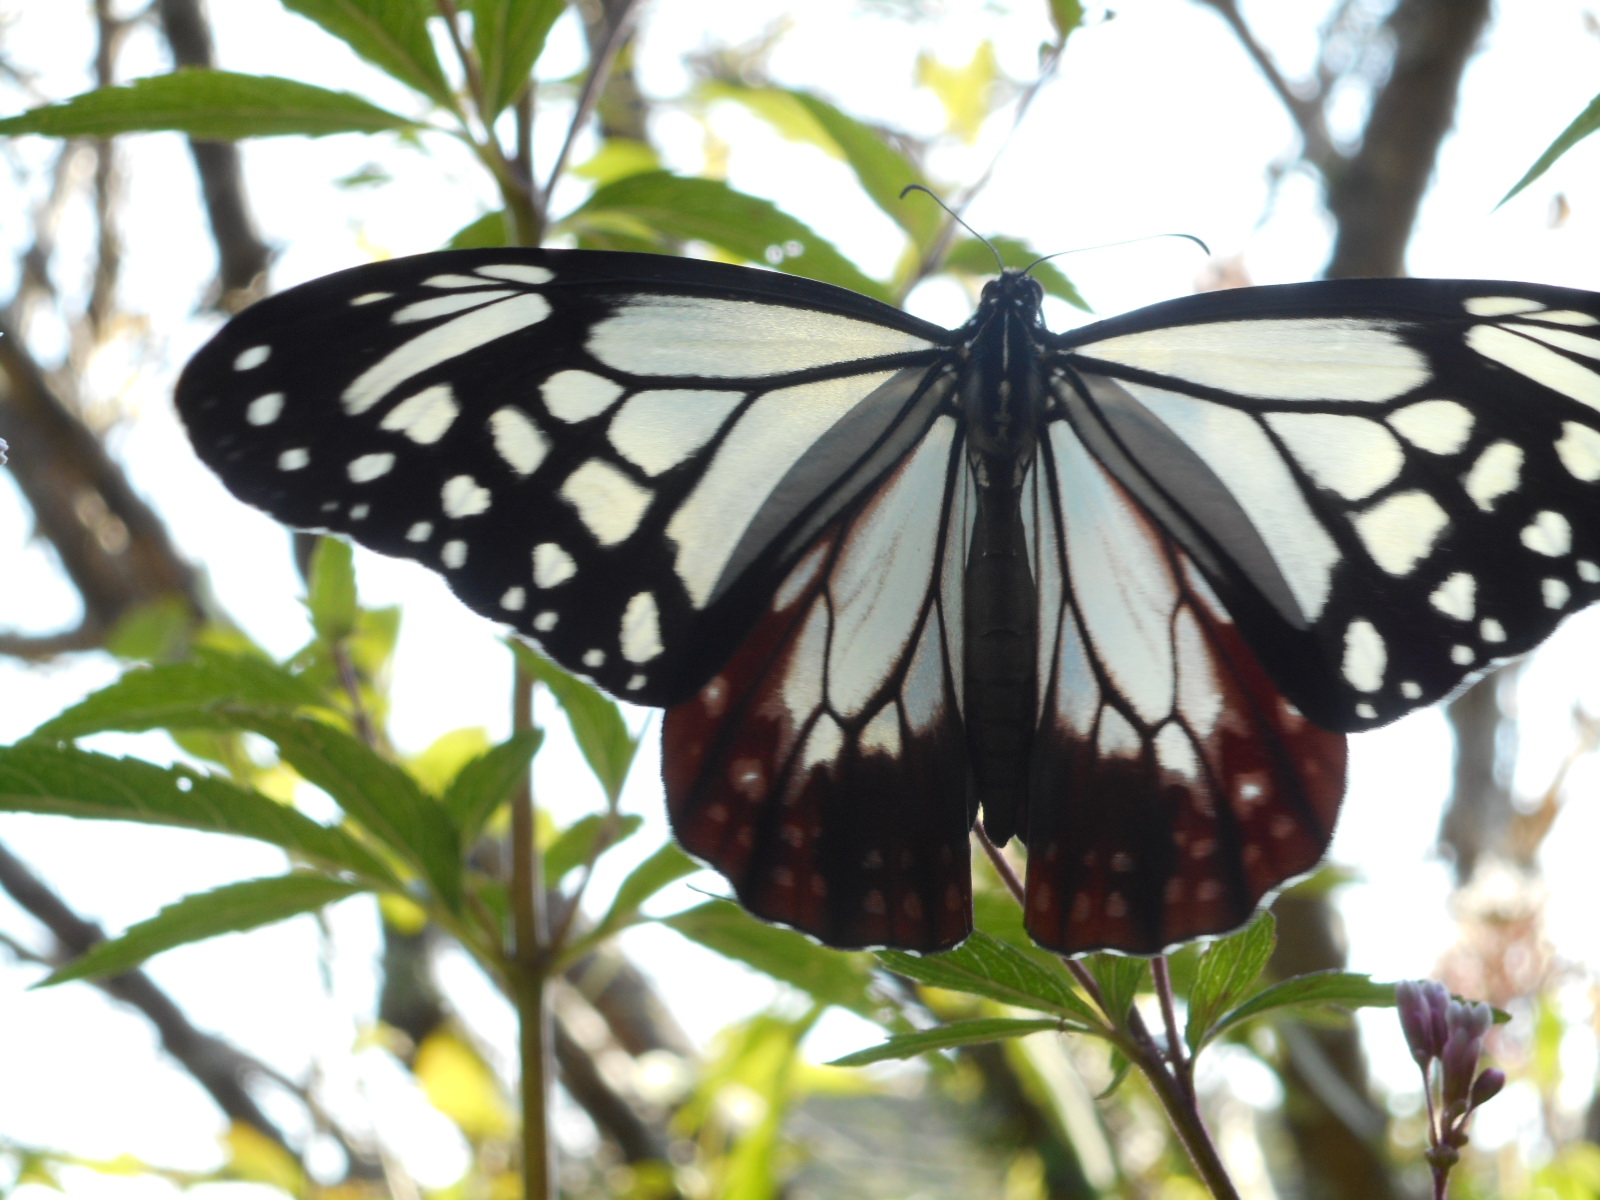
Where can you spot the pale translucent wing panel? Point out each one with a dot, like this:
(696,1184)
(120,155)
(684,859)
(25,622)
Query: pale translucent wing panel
(823,769)
(1172,787)
(1416,500)
(593,448)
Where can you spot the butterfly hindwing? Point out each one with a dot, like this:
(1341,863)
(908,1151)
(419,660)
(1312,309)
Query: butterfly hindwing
(1391,483)
(619,455)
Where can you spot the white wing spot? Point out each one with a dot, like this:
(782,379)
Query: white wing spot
(1579,451)
(454,554)
(1497,473)
(641,629)
(1568,317)
(1500,306)
(657,430)
(1315,358)
(264,410)
(1365,656)
(1352,456)
(573,396)
(294,460)
(635,682)
(425,417)
(1562,339)
(1437,426)
(607,501)
(358,512)
(1539,363)
(1456,597)
(1118,738)
(519,272)
(420,532)
(1400,531)
(1463,656)
(1175,752)
(252,358)
(369,467)
(370,298)
(1366,711)
(1411,689)
(824,744)
(1556,593)
(1491,630)
(443,306)
(1549,533)
(552,565)
(594,658)
(445,341)
(545,621)
(518,440)
(881,735)
(1588,572)
(514,599)
(452,281)
(463,497)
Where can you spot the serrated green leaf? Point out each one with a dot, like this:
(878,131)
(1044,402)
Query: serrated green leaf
(372,790)
(828,976)
(331,589)
(975,259)
(1320,989)
(68,782)
(1227,971)
(596,721)
(233,908)
(667,865)
(488,232)
(986,966)
(392,35)
(1120,980)
(220,106)
(577,842)
(946,1037)
(509,36)
(675,208)
(158,697)
(1582,126)
(486,782)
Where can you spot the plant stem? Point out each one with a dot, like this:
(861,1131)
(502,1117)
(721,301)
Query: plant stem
(1182,1068)
(529,972)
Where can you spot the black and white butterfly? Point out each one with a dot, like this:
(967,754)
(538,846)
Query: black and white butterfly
(1122,589)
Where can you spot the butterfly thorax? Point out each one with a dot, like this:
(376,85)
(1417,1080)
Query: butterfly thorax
(1001,391)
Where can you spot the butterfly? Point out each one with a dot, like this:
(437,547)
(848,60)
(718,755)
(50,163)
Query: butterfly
(1120,590)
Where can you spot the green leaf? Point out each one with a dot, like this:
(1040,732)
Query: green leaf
(331,590)
(974,259)
(233,908)
(968,93)
(485,783)
(828,976)
(946,1037)
(392,35)
(596,721)
(1121,1064)
(488,232)
(372,790)
(1582,126)
(577,842)
(217,106)
(665,866)
(156,631)
(986,966)
(1320,989)
(674,208)
(617,158)
(509,36)
(1066,16)
(1120,979)
(68,782)
(1227,971)
(159,697)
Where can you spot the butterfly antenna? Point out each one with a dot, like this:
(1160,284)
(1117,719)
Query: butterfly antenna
(954,216)
(1149,237)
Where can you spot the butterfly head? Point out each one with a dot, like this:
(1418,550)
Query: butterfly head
(1016,293)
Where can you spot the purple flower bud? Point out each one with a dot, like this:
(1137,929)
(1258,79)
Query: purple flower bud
(1468,1023)
(1487,1086)
(1422,1017)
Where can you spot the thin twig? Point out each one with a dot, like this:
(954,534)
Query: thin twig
(1182,1068)
(599,72)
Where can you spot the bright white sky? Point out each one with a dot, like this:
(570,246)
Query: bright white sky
(1158,122)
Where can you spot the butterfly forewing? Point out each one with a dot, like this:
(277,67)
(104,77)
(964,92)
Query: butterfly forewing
(619,455)
(1390,483)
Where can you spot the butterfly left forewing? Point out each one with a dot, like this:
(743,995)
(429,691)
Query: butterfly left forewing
(619,455)
(1392,484)
(823,769)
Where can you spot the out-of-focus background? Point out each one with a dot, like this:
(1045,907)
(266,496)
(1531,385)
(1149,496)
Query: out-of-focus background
(1297,138)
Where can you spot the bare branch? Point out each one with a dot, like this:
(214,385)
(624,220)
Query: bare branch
(620,15)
